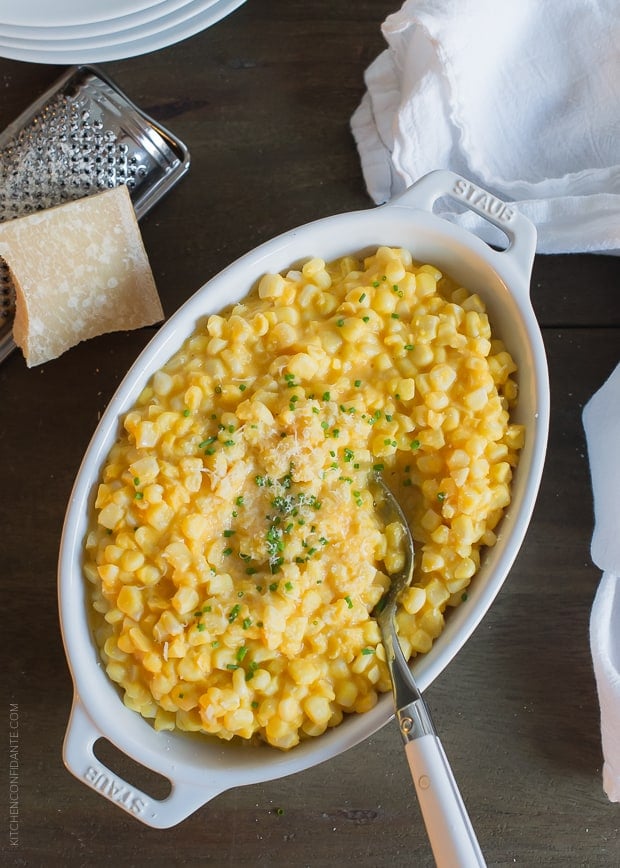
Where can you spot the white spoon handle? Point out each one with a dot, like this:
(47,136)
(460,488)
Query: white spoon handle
(448,826)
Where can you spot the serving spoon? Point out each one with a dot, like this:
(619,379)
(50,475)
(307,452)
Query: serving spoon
(449,829)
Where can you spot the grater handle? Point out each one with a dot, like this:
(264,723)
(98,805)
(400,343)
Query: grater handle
(80,759)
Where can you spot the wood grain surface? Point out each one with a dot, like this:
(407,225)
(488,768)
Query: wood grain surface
(263,100)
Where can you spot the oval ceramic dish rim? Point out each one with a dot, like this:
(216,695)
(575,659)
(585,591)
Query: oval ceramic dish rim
(200,769)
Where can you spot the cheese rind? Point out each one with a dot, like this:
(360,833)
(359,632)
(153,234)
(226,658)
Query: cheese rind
(79,270)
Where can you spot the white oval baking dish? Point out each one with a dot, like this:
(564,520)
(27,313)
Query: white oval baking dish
(199,769)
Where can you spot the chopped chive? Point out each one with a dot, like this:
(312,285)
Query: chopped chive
(349,602)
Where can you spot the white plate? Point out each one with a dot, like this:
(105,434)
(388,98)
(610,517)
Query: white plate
(190,9)
(76,52)
(93,28)
(67,12)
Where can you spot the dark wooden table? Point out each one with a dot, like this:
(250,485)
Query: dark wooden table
(263,99)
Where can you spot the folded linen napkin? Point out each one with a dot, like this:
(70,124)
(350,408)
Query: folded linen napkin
(523,98)
(601,420)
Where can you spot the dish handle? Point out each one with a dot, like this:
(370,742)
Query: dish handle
(80,760)
(520,231)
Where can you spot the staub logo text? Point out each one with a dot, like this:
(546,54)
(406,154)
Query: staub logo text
(482,200)
(114,790)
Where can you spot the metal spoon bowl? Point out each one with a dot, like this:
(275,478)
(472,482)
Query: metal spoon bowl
(448,826)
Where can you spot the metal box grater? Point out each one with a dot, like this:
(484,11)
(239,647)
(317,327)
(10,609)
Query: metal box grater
(82,136)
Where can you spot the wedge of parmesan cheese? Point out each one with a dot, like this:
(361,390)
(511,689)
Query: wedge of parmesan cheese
(79,270)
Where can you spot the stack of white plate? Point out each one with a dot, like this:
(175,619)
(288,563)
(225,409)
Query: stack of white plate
(94,31)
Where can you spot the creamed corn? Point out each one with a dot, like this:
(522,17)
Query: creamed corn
(235,556)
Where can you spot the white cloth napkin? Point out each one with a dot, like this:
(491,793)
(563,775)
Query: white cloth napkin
(523,98)
(601,420)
